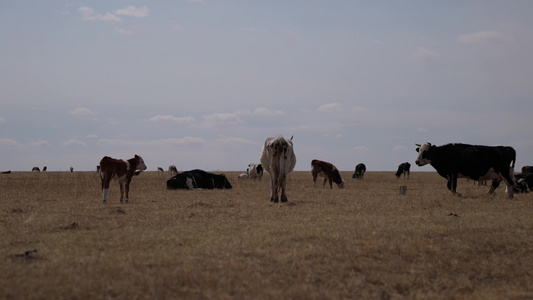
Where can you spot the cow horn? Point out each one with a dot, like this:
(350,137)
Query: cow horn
(418,145)
(292,137)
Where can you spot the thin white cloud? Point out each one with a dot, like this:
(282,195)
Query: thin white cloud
(82,111)
(195,1)
(92,136)
(361,149)
(267,112)
(236,140)
(118,142)
(358,109)
(41,143)
(123,31)
(88,14)
(480,37)
(173,119)
(422,130)
(8,142)
(222,120)
(132,11)
(330,107)
(400,148)
(423,52)
(74,142)
(185,141)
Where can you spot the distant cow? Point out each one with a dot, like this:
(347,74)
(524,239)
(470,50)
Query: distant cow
(404,168)
(278,159)
(159,169)
(123,169)
(198,179)
(527,169)
(6,172)
(359,172)
(243,176)
(255,171)
(36,169)
(98,168)
(44,169)
(173,170)
(524,182)
(328,171)
(476,162)
(71,169)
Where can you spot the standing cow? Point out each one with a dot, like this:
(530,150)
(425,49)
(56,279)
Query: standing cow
(404,168)
(123,169)
(255,171)
(278,159)
(328,171)
(359,172)
(476,162)
(527,169)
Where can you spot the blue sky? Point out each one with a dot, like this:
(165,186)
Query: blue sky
(202,84)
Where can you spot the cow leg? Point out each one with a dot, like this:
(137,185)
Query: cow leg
(510,184)
(324,183)
(121,183)
(127,190)
(494,185)
(282,184)
(330,180)
(105,186)
(314,179)
(273,189)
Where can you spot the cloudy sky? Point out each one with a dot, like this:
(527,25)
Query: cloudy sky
(203,83)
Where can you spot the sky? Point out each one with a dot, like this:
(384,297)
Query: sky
(202,83)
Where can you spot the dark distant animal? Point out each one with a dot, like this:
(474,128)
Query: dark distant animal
(159,169)
(328,171)
(198,179)
(123,169)
(6,172)
(44,169)
(476,162)
(359,172)
(278,159)
(172,170)
(404,168)
(524,182)
(36,169)
(71,169)
(527,169)
(98,168)
(255,171)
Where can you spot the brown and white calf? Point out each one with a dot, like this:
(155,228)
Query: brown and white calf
(326,170)
(123,169)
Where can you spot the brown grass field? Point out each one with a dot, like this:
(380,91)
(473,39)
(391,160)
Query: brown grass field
(59,241)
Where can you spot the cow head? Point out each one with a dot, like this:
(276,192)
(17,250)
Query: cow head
(422,158)
(341,185)
(140,165)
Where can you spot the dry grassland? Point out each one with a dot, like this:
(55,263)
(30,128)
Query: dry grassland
(59,241)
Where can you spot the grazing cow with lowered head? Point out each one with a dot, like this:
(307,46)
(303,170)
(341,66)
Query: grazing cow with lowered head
(476,162)
(36,169)
(359,172)
(404,168)
(159,169)
(243,176)
(328,171)
(173,170)
(255,171)
(278,159)
(123,169)
(198,179)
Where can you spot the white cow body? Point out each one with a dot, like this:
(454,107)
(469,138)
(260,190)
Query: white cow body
(278,159)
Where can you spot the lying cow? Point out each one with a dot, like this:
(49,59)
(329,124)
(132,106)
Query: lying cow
(479,163)
(524,182)
(359,172)
(527,169)
(198,179)
(255,171)
(328,171)
(123,169)
(404,168)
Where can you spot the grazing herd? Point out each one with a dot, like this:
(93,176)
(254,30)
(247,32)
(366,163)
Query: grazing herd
(277,158)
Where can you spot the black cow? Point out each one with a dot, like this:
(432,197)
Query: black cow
(404,168)
(198,179)
(359,172)
(476,162)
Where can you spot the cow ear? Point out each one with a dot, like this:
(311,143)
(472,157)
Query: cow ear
(429,143)
(292,137)
(417,148)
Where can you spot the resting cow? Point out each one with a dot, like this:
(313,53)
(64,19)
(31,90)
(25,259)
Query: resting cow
(328,171)
(198,179)
(278,159)
(479,163)
(255,171)
(123,169)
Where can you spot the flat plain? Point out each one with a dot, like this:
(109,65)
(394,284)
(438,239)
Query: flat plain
(367,241)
